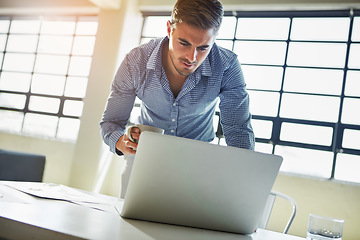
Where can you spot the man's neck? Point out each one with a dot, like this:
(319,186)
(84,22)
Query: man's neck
(176,81)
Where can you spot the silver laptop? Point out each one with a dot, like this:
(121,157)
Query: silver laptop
(197,184)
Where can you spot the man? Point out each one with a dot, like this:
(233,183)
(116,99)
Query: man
(179,80)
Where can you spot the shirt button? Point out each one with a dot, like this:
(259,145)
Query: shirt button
(174,104)
(172,131)
(173,120)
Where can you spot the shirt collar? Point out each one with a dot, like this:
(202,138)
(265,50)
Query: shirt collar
(155,62)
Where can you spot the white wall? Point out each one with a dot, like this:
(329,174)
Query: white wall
(119,31)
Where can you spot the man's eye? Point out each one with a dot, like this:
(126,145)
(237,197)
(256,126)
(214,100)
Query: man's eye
(202,48)
(183,43)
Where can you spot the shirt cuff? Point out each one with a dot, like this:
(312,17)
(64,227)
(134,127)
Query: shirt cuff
(114,138)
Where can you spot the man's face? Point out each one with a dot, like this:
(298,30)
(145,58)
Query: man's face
(188,47)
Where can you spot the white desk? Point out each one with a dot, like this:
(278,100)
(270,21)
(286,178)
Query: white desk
(23,217)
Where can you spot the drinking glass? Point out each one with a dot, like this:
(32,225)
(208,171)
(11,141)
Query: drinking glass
(324,228)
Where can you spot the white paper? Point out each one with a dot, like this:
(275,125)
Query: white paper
(61,192)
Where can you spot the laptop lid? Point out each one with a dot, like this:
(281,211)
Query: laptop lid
(197,184)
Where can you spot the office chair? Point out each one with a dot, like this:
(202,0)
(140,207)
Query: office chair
(268,209)
(18,166)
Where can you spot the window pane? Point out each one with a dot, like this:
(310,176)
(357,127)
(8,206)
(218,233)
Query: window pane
(22,43)
(12,81)
(40,125)
(48,84)
(317,54)
(44,104)
(264,103)
(11,120)
(4,26)
(351,139)
(260,52)
(309,80)
(305,161)
(347,167)
(145,40)
(155,26)
(262,128)
(76,87)
(354,56)
(55,44)
(19,62)
(80,66)
(51,64)
(227,28)
(263,28)
(320,29)
(25,26)
(263,147)
(302,133)
(352,87)
(228,44)
(356,29)
(58,27)
(309,107)
(87,27)
(266,78)
(68,129)
(350,113)
(2,42)
(83,46)
(10,100)
(73,108)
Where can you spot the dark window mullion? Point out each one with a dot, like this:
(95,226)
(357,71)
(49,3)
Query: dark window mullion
(29,94)
(5,47)
(275,137)
(339,129)
(291,14)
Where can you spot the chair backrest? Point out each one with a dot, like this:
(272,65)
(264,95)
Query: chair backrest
(269,206)
(18,166)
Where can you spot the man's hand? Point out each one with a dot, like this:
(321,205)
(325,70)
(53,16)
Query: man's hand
(125,145)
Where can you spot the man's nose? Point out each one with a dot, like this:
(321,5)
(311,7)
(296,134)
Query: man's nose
(191,55)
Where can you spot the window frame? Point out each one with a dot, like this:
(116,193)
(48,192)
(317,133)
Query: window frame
(28,94)
(338,127)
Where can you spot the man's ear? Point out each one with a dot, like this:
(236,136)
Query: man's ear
(168,25)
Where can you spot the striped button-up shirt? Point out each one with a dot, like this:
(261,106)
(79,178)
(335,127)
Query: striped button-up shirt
(190,114)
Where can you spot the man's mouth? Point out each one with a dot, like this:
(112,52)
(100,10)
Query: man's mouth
(188,64)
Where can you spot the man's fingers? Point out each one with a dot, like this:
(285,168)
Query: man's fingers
(130,151)
(131,144)
(126,146)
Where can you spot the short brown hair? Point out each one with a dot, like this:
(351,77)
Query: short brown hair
(205,14)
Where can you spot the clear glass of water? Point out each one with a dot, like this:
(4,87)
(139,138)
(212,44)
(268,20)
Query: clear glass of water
(324,228)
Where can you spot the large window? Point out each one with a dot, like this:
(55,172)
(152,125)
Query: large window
(44,68)
(303,75)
